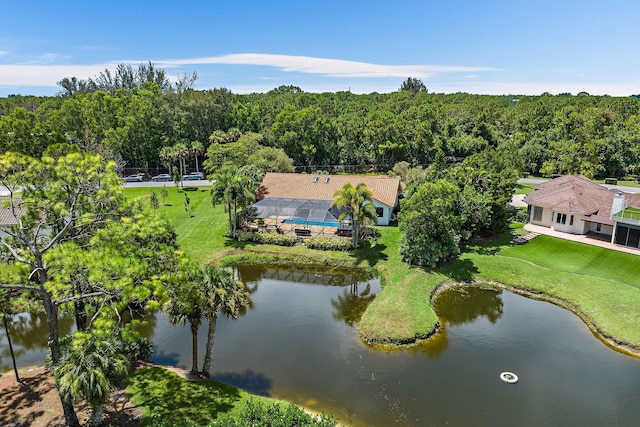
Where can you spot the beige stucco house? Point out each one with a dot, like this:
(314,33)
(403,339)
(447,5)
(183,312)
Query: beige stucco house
(575,204)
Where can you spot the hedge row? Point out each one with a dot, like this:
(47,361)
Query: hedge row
(328,244)
(266,238)
(321,243)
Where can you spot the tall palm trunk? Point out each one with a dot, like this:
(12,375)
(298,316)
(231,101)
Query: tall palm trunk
(194,347)
(211,333)
(356,232)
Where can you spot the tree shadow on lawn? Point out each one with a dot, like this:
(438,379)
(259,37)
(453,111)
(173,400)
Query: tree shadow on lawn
(460,270)
(169,397)
(372,254)
(235,244)
(463,269)
(490,245)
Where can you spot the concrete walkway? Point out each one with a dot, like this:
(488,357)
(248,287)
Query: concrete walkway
(580,238)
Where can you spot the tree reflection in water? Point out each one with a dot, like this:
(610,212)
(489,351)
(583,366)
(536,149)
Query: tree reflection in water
(350,306)
(465,304)
(29,331)
(458,306)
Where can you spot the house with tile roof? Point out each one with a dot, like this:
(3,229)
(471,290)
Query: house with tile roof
(9,216)
(308,197)
(575,204)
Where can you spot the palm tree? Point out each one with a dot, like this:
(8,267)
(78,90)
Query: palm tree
(223,295)
(196,149)
(181,152)
(236,190)
(167,157)
(185,305)
(89,369)
(220,193)
(356,203)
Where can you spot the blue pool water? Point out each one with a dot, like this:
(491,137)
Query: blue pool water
(311,221)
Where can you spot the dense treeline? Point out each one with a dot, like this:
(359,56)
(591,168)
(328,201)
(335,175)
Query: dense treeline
(594,135)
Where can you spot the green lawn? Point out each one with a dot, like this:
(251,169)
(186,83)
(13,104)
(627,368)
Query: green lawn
(625,183)
(581,259)
(524,188)
(167,399)
(200,234)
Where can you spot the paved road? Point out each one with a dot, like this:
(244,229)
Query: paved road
(151,184)
(617,187)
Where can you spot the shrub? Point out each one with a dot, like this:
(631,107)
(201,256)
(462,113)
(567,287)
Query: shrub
(265,238)
(139,348)
(369,234)
(257,414)
(328,244)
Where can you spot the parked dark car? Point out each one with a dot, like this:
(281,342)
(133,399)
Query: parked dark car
(193,176)
(161,177)
(133,178)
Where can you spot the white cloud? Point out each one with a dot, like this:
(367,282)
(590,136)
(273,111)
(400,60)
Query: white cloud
(359,77)
(324,66)
(45,75)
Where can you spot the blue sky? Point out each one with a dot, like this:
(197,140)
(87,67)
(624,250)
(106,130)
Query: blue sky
(485,47)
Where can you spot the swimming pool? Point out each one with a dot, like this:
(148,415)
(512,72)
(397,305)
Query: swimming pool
(311,221)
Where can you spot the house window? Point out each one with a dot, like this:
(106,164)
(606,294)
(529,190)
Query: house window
(598,227)
(561,218)
(379,212)
(537,213)
(571,220)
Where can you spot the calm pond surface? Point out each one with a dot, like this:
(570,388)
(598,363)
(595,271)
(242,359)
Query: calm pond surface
(298,342)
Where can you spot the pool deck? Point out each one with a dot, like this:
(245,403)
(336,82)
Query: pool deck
(275,225)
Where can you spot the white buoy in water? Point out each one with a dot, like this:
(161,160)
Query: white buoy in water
(509,377)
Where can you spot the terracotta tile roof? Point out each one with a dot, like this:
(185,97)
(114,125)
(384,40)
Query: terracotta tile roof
(321,187)
(571,193)
(6,216)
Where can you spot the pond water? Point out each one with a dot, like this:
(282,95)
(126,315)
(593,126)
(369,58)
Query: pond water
(298,342)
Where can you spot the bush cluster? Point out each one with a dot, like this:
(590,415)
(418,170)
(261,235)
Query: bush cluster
(258,414)
(328,244)
(266,238)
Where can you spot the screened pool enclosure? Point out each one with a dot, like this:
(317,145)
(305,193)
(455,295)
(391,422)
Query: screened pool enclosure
(288,214)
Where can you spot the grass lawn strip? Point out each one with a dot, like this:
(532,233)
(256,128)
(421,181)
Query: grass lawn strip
(163,395)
